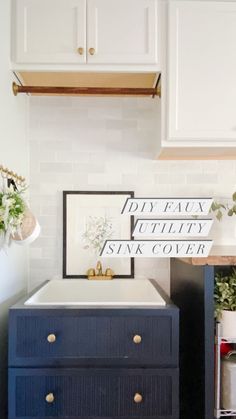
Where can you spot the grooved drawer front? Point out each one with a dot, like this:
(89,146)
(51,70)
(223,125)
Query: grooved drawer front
(93,340)
(96,393)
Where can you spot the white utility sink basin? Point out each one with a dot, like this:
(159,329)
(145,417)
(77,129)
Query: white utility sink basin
(114,293)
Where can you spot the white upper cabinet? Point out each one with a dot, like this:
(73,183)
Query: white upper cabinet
(85,31)
(122,31)
(49,31)
(201,72)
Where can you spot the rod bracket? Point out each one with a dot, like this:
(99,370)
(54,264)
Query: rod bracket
(15,88)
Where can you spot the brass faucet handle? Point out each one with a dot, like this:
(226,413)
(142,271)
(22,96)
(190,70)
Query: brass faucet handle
(109,272)
(91,272)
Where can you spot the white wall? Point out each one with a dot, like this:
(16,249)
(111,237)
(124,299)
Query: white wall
(14,155)
(107,144)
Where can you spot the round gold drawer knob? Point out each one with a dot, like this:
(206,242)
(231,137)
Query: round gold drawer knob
(50,398)
(51,338)
(138,398)
(91,51)
(137,339)
(80,50)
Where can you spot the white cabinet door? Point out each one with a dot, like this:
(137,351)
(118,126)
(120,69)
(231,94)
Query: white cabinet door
(49,31)
(122,31)
(201,98)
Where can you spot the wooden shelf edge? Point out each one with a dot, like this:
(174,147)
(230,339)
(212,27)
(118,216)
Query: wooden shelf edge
(197,153)
(211,260)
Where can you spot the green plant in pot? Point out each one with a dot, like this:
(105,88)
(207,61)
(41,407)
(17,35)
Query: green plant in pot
(12,210)
(219,208)
(225,302)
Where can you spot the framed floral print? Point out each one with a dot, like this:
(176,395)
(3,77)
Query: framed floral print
(89,219)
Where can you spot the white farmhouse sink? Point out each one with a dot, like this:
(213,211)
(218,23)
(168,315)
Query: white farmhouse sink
(114,293)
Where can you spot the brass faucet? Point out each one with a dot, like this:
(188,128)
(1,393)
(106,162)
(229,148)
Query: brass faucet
(98,274)
(99,268)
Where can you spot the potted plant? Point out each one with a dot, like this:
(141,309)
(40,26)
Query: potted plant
(225,302)
(12,210)
(17,222)
(219,208)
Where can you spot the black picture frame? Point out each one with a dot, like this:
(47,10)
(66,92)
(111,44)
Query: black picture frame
(71,201)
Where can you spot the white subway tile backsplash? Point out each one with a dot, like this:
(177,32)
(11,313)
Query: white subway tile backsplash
(40,154)
(170,178)
(210,166)
(98,167)
(56,145)
(199,179)
(49,252)
(51,178)
(228,167)
(55,167)
(151,166)
(41,242)
(187,166)
(48,210)
(80,181)
(105,144)
(104,179)
(128,167)
(104,112)
(47,220)
(48,103)
(49,231)
(47,263)
(43,199)
(36,253)
(142,179)
(121,124)
(69,155)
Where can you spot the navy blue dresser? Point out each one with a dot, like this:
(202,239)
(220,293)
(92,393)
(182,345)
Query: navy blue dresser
(93,363)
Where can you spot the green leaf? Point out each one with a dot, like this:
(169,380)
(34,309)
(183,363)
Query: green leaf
(216,206)
(225,292)
(219,215)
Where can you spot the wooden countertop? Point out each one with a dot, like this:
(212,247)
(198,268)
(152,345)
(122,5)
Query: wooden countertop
(219,255)
(211,260)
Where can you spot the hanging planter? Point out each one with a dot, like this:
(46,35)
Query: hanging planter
(12,210)
(16,220)
(29,229)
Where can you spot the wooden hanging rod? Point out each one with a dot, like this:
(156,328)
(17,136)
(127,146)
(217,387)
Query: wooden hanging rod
(9,174)
(48,90)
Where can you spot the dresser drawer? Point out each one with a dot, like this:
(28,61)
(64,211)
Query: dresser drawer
(96,338)
(93,393)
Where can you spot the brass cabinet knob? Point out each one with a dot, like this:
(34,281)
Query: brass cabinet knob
(137,339)
(91,51)
(138,398)
(51,338)
(50,398)
(80,50)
